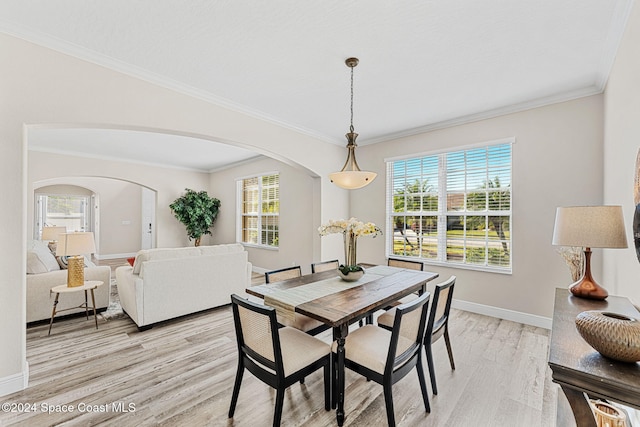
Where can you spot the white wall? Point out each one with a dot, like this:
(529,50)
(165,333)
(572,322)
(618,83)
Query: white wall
(557,161)
(297,227)
(622,142)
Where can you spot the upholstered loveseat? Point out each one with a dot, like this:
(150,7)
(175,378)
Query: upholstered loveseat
(166,283)
(44,272)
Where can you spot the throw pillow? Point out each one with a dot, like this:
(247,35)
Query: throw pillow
(63,261)
(39,258)
(131,261)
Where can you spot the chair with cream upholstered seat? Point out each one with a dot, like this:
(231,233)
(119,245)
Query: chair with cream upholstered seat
(282,274)
(437,326)
(317,267)
(279,357)
(388,356)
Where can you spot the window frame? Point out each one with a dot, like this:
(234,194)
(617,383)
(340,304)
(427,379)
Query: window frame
(259,215)
(442,214)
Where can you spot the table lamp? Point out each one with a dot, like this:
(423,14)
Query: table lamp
(589,227)
(51,234)
(74,246)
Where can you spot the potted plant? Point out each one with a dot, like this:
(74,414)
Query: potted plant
(197,211)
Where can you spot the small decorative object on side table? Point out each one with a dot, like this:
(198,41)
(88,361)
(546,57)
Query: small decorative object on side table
(350,230)
(615,336)
(88,286)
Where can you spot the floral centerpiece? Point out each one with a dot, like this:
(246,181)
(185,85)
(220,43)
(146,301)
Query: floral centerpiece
(351,230)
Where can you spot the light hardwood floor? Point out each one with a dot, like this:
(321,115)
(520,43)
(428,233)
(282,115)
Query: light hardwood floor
(181,373)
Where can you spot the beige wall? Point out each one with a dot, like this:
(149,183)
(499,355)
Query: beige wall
(118,209)
(120,200)
(554,147)
(297,226)
(622,142)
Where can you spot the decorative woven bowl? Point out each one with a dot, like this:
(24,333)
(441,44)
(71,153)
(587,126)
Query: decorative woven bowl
(615,336)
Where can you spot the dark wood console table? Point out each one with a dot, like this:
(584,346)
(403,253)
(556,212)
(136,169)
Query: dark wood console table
(580,369)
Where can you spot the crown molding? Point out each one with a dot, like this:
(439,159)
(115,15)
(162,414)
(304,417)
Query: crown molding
(489,114)
(88,55)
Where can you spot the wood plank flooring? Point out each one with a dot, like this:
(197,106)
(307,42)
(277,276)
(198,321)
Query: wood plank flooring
(181,373)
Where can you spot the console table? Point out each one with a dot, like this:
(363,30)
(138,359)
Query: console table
(580,369)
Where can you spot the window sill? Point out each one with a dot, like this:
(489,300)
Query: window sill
(265,247)
(480,268)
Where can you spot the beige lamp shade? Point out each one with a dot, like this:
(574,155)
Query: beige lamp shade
(74,245)
(51,233)
(78,243)
(590,227)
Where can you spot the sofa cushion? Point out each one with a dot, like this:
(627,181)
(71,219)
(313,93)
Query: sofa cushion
(160,254)
(39,258)
(221,249)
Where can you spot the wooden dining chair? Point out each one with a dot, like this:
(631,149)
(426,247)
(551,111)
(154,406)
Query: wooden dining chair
(401,263)
(437,326)
(317,267)
(405,263)
(388,356)
(300,321)
(282,274)
(279,357)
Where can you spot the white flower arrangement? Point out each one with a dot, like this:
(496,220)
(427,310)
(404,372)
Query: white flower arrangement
(353,227)
(350,230)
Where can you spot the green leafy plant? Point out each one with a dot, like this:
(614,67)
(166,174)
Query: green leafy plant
(197,211)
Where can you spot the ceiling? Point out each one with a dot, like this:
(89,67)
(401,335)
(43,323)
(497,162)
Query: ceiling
(424,64)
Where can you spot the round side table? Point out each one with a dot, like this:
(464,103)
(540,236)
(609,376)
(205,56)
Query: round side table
(89,285)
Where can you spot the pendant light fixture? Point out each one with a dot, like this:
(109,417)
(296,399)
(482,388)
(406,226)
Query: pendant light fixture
(351,177)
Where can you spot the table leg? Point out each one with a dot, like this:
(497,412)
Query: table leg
(93,301)
(53,312)
(86,304)
(340,333)
(580,407)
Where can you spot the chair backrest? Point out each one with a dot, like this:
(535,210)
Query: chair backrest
(317,267)
(408,331)
(440,307)
(282,274)
(404,263)
(257,333)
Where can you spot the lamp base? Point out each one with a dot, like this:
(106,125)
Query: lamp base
(589,289)
(75,272)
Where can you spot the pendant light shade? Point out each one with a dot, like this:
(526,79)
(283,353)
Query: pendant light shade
(351,177)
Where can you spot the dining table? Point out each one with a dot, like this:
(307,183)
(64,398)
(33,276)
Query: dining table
(324,296)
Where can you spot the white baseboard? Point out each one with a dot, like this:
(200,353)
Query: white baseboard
(16,382)
(114,256)
(502,313)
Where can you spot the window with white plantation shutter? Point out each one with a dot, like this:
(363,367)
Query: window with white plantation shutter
(259,210)
(452,208)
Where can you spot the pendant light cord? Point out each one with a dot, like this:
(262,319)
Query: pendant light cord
(351,127)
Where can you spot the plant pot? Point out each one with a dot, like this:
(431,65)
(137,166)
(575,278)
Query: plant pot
(350,273)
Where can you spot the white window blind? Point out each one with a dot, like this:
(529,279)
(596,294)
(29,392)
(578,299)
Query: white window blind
(259,210)
(452,208)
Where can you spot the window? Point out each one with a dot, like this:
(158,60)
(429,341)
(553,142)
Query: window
(452,208)
(259,210)
(68,210)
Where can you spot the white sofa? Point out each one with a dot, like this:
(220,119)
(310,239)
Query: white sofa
(44,272)
(168,283)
